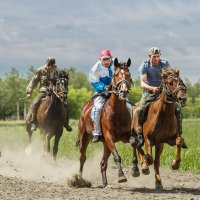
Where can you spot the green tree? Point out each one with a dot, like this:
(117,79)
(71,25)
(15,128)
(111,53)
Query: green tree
(76,99)
(14,86)
(193,90)
(78,79)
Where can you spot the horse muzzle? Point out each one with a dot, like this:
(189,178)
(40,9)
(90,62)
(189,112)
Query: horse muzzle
(182,101)
(123,95)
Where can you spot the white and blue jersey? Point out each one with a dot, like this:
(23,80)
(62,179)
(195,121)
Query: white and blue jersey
(153,72)
(100,76)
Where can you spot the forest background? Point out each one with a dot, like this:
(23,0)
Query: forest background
(13,88)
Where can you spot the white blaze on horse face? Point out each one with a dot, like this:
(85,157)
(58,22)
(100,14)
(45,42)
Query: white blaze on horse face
(123,85)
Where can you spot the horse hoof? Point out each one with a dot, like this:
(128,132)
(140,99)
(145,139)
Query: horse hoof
(159,186)
(175,165)
(135,173)
(149,159)
(146,171)
(122,179)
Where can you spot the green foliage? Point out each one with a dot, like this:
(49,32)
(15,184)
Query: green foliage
(13,87)
(76,99)
(135,94)
(78,79)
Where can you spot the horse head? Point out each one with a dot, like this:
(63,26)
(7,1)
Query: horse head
(61,88)
(173,85)
(122,80)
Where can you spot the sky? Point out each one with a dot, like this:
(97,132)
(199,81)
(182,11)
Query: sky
(74,32)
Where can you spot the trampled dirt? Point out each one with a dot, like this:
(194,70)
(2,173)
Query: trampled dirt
(39,177)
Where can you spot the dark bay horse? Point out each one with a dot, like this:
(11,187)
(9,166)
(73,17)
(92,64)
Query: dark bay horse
(51,114)
(115,121)
(161,124)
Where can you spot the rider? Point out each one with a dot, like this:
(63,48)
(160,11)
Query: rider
(100,77)
(150,81)
(45,75)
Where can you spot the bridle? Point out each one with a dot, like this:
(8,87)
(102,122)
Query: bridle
(117,86)
(60,89)
(168,91)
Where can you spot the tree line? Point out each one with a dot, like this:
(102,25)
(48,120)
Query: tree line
(13,89)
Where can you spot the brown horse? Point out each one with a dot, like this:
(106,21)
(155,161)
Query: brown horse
(51,115)
(115,122)
(161,124)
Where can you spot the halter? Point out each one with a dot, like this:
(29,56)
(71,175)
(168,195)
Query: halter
(61,93)
(118,85)
(169,92)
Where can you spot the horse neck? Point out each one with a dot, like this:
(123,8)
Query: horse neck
(54,100)
(115,102)
(162,106)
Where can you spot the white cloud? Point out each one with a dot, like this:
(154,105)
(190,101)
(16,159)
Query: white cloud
(75,31)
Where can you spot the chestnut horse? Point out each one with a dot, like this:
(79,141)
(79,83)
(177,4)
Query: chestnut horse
(115,122)
(161,124)
(51,115)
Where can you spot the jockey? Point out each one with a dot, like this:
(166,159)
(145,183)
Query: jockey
(150,81)
(100,77)
(46,76)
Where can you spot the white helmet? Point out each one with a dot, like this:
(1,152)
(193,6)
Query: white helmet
(154,50)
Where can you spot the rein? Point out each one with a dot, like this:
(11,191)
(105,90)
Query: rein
(61,93)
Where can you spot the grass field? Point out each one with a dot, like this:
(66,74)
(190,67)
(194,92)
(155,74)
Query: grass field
(13,136)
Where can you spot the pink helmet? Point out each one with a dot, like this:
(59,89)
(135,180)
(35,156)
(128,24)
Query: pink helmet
(105,54)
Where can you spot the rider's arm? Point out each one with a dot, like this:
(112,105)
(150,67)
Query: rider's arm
(145,86)
(33,83)
(95,78)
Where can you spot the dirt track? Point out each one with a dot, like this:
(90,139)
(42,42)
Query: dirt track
(36,177)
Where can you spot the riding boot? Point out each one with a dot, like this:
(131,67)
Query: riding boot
(97,135)
(33,121)
(179,123)
(140,128)
(140,121)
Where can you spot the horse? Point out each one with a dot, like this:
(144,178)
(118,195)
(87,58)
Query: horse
(51,115)
(161,124)
(115,122)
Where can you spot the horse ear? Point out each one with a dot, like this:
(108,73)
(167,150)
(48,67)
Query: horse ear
(116,62)
(128,64)
(177,71)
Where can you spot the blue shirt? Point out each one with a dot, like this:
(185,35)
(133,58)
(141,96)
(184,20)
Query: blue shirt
(153,72)
(100,76)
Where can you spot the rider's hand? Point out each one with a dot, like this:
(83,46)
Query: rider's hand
(28,95)
(155,90)
(107,87)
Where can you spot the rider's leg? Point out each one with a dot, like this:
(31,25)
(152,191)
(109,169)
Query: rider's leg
(35,106)
(66,125)
(141,114)
(178,115)
(147,98)
(96,117)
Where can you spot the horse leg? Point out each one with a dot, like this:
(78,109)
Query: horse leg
(44,141)
(117,159)
(84,141)
(104,164)
(148,156)
(158,151)
(28,149)
(48,140)
(135,170)
(176,163)
(56,142)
